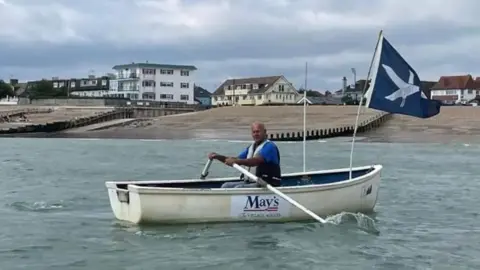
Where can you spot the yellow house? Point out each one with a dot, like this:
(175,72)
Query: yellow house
(255,91)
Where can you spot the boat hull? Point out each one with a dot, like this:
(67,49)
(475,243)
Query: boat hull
(142,202)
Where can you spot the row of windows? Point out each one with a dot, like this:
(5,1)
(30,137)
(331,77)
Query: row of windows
(82,83)
(164,84)
(152,71)
(163,96)
(267,96)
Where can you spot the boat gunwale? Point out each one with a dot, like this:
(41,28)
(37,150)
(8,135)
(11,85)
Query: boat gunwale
(134,186)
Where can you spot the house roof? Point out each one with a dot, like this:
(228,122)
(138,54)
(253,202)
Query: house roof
(152,65)
(454,82)
(199,92)
(477,83)
(263,82)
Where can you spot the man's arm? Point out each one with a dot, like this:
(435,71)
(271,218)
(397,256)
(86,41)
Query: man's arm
(267,154)
(242,155)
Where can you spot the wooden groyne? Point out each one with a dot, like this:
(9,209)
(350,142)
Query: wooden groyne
(73,123)
(364,126)
(6,115)
(117,113)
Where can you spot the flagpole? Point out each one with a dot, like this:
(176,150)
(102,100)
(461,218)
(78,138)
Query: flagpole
(361,100)
(305,118)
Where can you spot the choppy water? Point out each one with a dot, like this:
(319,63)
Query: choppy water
(55,212)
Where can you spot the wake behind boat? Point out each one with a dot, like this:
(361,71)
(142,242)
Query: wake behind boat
(323,192)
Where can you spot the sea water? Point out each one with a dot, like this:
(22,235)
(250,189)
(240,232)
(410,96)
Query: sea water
(56,215)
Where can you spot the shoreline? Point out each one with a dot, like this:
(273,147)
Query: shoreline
(453,124)
(377,136)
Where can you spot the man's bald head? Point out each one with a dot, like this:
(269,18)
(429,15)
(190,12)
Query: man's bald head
(259,125)
(259,132)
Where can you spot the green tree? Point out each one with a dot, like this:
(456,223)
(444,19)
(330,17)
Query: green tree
(6,90)
(44,89)
(310,93)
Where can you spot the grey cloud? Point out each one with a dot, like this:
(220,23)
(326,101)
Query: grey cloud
(246,39)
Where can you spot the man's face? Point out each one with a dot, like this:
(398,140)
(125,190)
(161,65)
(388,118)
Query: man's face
(258,133)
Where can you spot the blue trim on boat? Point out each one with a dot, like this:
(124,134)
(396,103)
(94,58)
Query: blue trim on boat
(287,181)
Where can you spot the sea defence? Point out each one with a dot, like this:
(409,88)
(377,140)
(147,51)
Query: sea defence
(49,119)
(284,123)
(369,124)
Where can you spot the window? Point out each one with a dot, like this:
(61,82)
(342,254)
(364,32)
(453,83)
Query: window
(451,92)
(184,85)
(148,96)
(166,96)
(281,88)
(183,97)
(166,84)
(148,83)
(184,73)
(166,71)
(150,71)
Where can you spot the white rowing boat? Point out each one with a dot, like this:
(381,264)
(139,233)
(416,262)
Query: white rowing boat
(324,193)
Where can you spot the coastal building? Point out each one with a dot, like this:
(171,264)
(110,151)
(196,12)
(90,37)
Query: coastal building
(156,82)
(350,94)
(87,87)
(203,96)
(455,89)
(90,86)
(269,90)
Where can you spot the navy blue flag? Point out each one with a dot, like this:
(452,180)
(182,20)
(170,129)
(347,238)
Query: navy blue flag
(395,86)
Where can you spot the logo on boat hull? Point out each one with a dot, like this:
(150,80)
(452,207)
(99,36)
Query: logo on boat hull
(259,206)
(366,190)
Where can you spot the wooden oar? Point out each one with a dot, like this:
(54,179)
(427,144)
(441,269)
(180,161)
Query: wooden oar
(276,191)
(205,170)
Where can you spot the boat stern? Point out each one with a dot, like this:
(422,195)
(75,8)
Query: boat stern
(124,203)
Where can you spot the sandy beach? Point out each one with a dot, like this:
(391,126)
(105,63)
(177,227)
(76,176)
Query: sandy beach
(453,124)
(233,122)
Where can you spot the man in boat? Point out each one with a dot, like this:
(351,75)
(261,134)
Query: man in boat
(262,155)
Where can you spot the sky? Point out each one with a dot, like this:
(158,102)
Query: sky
(233,39)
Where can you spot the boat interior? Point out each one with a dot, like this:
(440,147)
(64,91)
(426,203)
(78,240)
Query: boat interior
(287,181)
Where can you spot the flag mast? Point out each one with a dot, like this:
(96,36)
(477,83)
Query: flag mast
(305,117)
(380,34)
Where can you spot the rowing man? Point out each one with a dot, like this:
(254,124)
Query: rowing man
(262,156)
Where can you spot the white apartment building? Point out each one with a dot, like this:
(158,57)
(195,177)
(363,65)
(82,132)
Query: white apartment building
(156,82)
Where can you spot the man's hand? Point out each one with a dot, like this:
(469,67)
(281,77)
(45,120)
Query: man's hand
(229,161)
(212,155)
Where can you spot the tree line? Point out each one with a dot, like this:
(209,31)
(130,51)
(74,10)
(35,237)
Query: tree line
(40,89)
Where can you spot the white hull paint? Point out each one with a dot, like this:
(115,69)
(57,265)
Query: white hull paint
(143,204)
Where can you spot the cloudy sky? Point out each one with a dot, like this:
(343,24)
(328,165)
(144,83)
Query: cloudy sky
(226,38)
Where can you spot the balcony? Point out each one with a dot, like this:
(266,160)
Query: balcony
(131,76)
(128,88)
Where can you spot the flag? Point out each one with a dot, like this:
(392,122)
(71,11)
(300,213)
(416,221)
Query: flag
(395,85)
